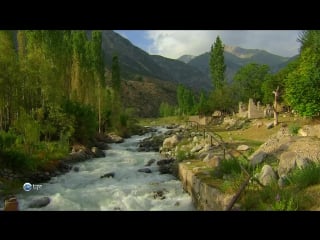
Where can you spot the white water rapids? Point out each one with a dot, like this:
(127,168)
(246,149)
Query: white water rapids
(128,190)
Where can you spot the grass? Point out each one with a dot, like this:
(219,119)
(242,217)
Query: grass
(305,177)
(161,121)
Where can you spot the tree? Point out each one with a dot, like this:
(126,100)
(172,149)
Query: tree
(303,84)
(217,65)
(115,78)
(249,79)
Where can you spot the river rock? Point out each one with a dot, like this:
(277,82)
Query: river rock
(76,169)
(39,202)
(165,161)
(170,142)
(196,148)
(98,153)
(152,143)
(159,194)
(102,145)
(145,170)
(165,169)
(114,138)
(108,175)
(150,162)
(242,147)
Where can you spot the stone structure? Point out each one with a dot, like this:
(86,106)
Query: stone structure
(202,120)
(254,110)
(243,110)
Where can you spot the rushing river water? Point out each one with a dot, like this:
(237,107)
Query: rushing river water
(128,190)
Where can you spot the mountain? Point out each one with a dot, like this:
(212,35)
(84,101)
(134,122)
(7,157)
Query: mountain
(186,58)
(136,62)
(236,57)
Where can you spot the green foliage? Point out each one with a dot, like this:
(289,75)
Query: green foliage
(166,110)
(203,104)
(217,64)
(307,176)
(302,84)
(230,166)
(223,99)
(183,155)
(7,139)
(249,81)
(85,122)
(29,130)
(17,160)
(115,79)
(270,197)
(186,101)
(293,128)
(285,203)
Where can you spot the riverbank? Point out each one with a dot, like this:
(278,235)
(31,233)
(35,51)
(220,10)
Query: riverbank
(126,179)
(11,181)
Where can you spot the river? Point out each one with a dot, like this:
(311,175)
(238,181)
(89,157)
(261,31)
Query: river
(128,190)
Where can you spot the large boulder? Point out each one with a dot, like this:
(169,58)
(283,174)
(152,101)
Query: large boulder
(310,131)
(39,202)
(257,157)
(267,175)
(171,142)
(289,161)
(113,138)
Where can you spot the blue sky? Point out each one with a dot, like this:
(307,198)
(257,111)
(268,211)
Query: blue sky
(175,43)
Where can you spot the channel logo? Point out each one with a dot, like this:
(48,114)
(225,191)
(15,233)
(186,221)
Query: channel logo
(27,187)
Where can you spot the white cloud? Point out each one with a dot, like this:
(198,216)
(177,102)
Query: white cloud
(173,44)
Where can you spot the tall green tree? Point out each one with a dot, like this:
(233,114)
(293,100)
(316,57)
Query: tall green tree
(9,84)
(217,64)
(115,78)
(303,84)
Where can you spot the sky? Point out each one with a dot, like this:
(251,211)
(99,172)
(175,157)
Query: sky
(175,43)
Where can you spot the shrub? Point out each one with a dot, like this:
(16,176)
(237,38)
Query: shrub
(17,161)
(294,128)
(230,166)
(183,155)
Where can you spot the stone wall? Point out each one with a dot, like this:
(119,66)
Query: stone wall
(253,110)
(204,196)
(201,120)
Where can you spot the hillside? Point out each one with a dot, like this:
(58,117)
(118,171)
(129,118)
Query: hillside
(146,95)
